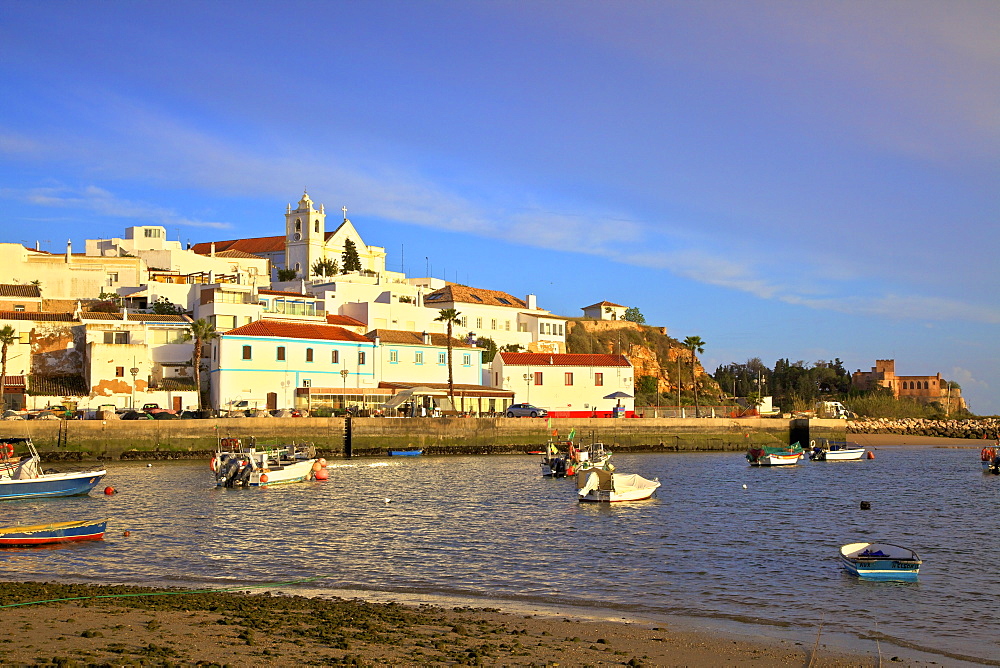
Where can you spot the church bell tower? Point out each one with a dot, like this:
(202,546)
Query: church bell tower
(305,235)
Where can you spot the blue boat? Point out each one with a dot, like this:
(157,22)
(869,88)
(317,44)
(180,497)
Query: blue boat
(405,453)
(880,561)
(53,533)
(22,477)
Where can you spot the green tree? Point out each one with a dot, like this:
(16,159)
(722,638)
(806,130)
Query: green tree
(632,314)
(164,306)
(695,345)
(489,347)
(325,267)
(287,275)
(200,331)
(349,258)
(7,337)
(449,317)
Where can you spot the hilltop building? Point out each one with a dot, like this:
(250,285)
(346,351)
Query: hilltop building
(605,311)
(924,389)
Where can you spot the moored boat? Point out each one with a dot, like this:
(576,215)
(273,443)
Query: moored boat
(52,533)
(239,465)
(405,453)
(22,477)
(990,459)
(837,451)
(775,455)
(604,486)
(556,461)
(880,561)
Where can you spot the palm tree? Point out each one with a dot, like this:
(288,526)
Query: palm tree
(200,331)
(7,337)
(449,317)
(695,345)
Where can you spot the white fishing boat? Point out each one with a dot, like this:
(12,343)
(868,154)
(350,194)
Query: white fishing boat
(603,486)
(775,455)
(593,456)
(22,477)
(880,561)
(239,465)
(836,451)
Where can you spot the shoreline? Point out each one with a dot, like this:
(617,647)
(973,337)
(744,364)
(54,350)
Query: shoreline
(125,625)
(890,440)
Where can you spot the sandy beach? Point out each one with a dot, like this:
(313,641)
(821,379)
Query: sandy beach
(131,626)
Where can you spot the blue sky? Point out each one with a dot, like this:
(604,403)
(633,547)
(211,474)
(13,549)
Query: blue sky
(802,180)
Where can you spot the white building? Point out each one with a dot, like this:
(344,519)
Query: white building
(69,276)
(605,311)
(274,364)
(568,385)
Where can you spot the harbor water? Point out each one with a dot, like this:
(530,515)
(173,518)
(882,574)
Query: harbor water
(491,530)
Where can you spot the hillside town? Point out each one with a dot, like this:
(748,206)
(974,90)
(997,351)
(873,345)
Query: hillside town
(309,321)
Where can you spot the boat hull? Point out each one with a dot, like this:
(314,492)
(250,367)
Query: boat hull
(405,453)
(880,561)
(52,534)
(777,460)
(601,486)
(289,473)
(51,484)
(841,455)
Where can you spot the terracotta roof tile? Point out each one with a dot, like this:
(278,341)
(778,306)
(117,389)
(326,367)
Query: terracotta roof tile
(134,317)
(41,317)
(14,290)
(252,246)
(463,293)
(343,320)
(296,330)
(605,304)
(413,338)
(563,359)
(233,252)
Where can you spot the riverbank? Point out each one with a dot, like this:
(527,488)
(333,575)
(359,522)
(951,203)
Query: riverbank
(87,624)
(889,440)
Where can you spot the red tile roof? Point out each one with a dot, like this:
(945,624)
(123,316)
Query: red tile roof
(296,330)
(134,317)
(42,317)
(463,293)
(252,246)
(562,359)
(13,290)
(413,338)
(343,321)
(605,304)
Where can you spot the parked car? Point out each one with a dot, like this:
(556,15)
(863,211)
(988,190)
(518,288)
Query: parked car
(525,410)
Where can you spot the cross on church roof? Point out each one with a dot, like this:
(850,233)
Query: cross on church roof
(344,209)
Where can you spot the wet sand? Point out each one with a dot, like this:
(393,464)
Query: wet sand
(888,440)
(130,625)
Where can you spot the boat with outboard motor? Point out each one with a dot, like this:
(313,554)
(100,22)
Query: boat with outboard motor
(989,457)
(239,465)
(775,455)
(880,561)
(837,451)
(603,486)
(21,477)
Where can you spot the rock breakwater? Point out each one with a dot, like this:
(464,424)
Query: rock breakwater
(987,428)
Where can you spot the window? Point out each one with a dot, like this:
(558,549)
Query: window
(467,359)
(116,337)
(298,228)
(152,233)
(361,357)
(112,277)
(246,353)
(598,379)
(538,378)
(281,354)
(316,225)
(493,323)
(442,358)
(522,327)
(393,357)
(309,354)
(119,372)
(166,336)
(19,308)
(569,379)
(418,358)
(479,323)
(507,327)
(335,357)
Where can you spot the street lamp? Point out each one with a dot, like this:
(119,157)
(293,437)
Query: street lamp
(527,379)
(135,372)
(343,398)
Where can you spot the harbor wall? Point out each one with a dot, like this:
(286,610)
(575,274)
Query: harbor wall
(180,439)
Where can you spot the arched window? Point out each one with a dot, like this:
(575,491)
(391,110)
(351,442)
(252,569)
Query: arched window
(316,226)
(298,225)
(926,385)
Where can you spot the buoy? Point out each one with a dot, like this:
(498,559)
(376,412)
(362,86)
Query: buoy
(263,478)
(871,455)
(322,474)
(316,466)
(322,462)
(866,505)
(744,486)
(109,490)
(387,499)
(125,533)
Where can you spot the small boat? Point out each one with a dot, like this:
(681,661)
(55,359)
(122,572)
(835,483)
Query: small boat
(990,459)
(556,459)
(239,465)
(880,561)
(594,456)
(837,451)
(775,455)
(604,486)
(52,533)
(22,477)
(405,453)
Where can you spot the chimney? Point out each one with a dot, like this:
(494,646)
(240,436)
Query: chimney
(37,246)
(124,313)
(212,251)
(531,301)
(427,339)
(69,250)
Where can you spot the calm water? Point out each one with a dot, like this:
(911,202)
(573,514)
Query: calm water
(492,528)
